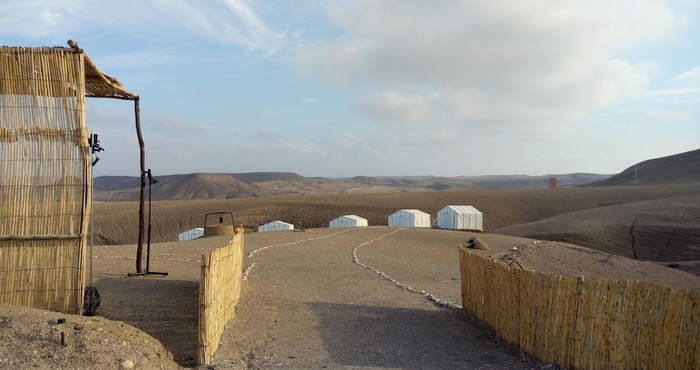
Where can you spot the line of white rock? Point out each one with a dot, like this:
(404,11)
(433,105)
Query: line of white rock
(246,271)
(384,276)
(250,254)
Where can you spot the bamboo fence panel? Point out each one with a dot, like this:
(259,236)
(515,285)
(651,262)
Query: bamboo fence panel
(44,178)
(219,292)
(585,323)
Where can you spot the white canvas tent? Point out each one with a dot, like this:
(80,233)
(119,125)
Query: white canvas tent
(460,218)
(348,221)
(409,218)
(275,226)
(190,234)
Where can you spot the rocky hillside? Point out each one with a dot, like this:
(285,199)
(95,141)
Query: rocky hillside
(683,168)
(261,184)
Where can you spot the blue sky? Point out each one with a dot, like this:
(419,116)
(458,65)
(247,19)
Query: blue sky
(383,87)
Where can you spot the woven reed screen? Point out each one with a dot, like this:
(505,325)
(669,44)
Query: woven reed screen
(44,178)
(582,323)
(219,291)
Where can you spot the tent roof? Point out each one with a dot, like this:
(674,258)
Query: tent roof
(353,217)
(278,222)
(416,212)
(462,209)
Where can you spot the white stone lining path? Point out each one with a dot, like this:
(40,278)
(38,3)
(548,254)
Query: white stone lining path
(355,260)
(244,275)
(246,271)
(250,254)
(384,276)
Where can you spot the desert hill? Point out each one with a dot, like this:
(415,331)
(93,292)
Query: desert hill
(117,222)
(262,184)
(660,230)
(683,168)
(203,186)
(651,222)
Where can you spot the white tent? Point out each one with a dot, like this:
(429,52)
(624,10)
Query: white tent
(190,234)
(348,221)
(409,218)
(460,218)
(275,226)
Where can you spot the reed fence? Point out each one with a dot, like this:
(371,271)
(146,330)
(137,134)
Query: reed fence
(219,292)
(45,169)
(582,323)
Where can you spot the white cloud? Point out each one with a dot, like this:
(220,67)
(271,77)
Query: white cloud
(227,22)
(350,144)
(41,18)
(548,61)
(626,127)
(668,116)
(688,78)
(613,81)
(139,59)
(461,150)
(269,135)
(442,137)
(170,124)
(673,92)
(393,107)
(97,115)
(233,22)
(511,86)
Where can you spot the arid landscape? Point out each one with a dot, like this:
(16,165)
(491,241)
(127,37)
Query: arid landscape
(316,297)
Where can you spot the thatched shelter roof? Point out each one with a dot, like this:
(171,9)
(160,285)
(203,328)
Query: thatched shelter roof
(97,84)
(100,85)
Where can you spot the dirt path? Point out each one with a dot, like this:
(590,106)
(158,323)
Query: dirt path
(324,298)
(306,304)
(343,298)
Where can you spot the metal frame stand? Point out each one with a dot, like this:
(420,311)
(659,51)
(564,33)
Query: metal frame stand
(147,271)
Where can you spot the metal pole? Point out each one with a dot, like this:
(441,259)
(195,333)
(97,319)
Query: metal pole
(148,244)
(148,271)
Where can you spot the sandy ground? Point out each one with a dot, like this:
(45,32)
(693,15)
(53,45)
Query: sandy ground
(307,303)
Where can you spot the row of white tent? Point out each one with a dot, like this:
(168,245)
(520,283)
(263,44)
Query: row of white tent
(450,217)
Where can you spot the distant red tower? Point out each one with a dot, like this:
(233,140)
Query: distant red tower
(552,182)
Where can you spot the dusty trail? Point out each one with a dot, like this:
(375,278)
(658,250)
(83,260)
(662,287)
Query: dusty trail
(306,304)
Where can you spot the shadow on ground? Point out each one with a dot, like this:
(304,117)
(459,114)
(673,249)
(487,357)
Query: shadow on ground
(392,337)
(170,316)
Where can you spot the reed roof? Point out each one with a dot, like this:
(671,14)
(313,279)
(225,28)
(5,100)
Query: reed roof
(97,83)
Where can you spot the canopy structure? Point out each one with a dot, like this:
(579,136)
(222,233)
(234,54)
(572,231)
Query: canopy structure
(46,172)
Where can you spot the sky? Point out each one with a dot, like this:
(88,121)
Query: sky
(383,87)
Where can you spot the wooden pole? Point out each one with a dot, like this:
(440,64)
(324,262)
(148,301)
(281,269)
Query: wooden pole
(142,201)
